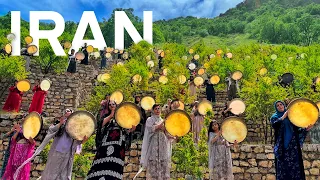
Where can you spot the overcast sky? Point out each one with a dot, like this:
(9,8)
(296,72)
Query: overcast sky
(162,9)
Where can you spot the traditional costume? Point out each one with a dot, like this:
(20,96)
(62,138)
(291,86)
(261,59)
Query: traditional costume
(38,99)
(156,151)
(109,160)
(20,150)
(13,101)
(233,87)
(72,67)
(197,124)
(7,153)
(220,161)
(210,92)
(287,149)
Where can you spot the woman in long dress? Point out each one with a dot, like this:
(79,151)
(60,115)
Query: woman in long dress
(109,160)
(220,161)
(14,99)
(192,87)
(38,98)
(288,142)
(197,122)
(62,151)
(72,68)
(156,147)
(20,150)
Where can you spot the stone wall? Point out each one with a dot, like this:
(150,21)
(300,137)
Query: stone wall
(66,91)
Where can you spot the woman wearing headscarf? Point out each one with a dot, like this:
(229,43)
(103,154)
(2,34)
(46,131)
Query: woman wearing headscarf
(109,160)
(197,122)
(20,150)
(288,142)
(220,161)
(14,99)
(156,147)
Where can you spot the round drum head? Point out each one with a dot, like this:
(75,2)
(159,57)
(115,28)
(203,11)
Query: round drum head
(191,51)
(117,96)
(192,66)
(150,64)
(96,54)
(31,125)
(121,52)
(162,54)
(237,75)
(90,49)
(219,51)
(204,106)
(125,55)
(237,106)
(212,56)
(45,84)
(196,57)
(150,75)
(127,115)
(274,57)
(147,102)
(23,85)
(116,51)
(234,128)
(201,71)
(303,112)
(178,123)
(182,79)
(8,48)
(198,81)
(80,124)
(148,58)
(108,55)
(229,55)
(163,79)
(159,51)
(184,57)
(80,56)
(32,49)
(11,37)
(108,50)
(215,79)
(67,45)
(136,78)
(287,78)
(263,71)
(165,71)
(28,39)
(104,77)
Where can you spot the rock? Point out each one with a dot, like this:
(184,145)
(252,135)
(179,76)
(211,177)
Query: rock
(261,156)
(236,170)
(133,153)
(5,123)
(252,162)
(271,177)
(263,164)
(235,155)
(235,163)
(270,156)
(314,171)
(316,163)
(253,170)
(257,177)
(242,156)
(258,149)
(306,164)
(40,167)
(244,164)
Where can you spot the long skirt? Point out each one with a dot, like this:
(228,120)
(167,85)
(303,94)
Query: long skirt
(289,165)
(103,63)
(197,125)
(13,102)
(109,160)
(220,163)
(232,92)
(72,68)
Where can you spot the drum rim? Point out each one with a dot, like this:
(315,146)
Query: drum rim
(204,100)
(41,122)
(127,103)
(198,78)
(184,77)
(204,70)
(81,53)
(238,99)
(147,97)
(193,65)
(26,81)
(235,117)
(9,46)
(46,79)
(32,45)
(76,113)
(302,99)
(235,72)
(217,76)
(289,74)
(120,93)
(180,111)
(27,37)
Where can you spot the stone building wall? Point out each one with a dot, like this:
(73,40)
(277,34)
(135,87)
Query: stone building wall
(66,91)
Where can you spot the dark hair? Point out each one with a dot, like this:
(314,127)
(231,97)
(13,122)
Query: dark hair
(106,95)
(135,99)
(210,129)
(154,106)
